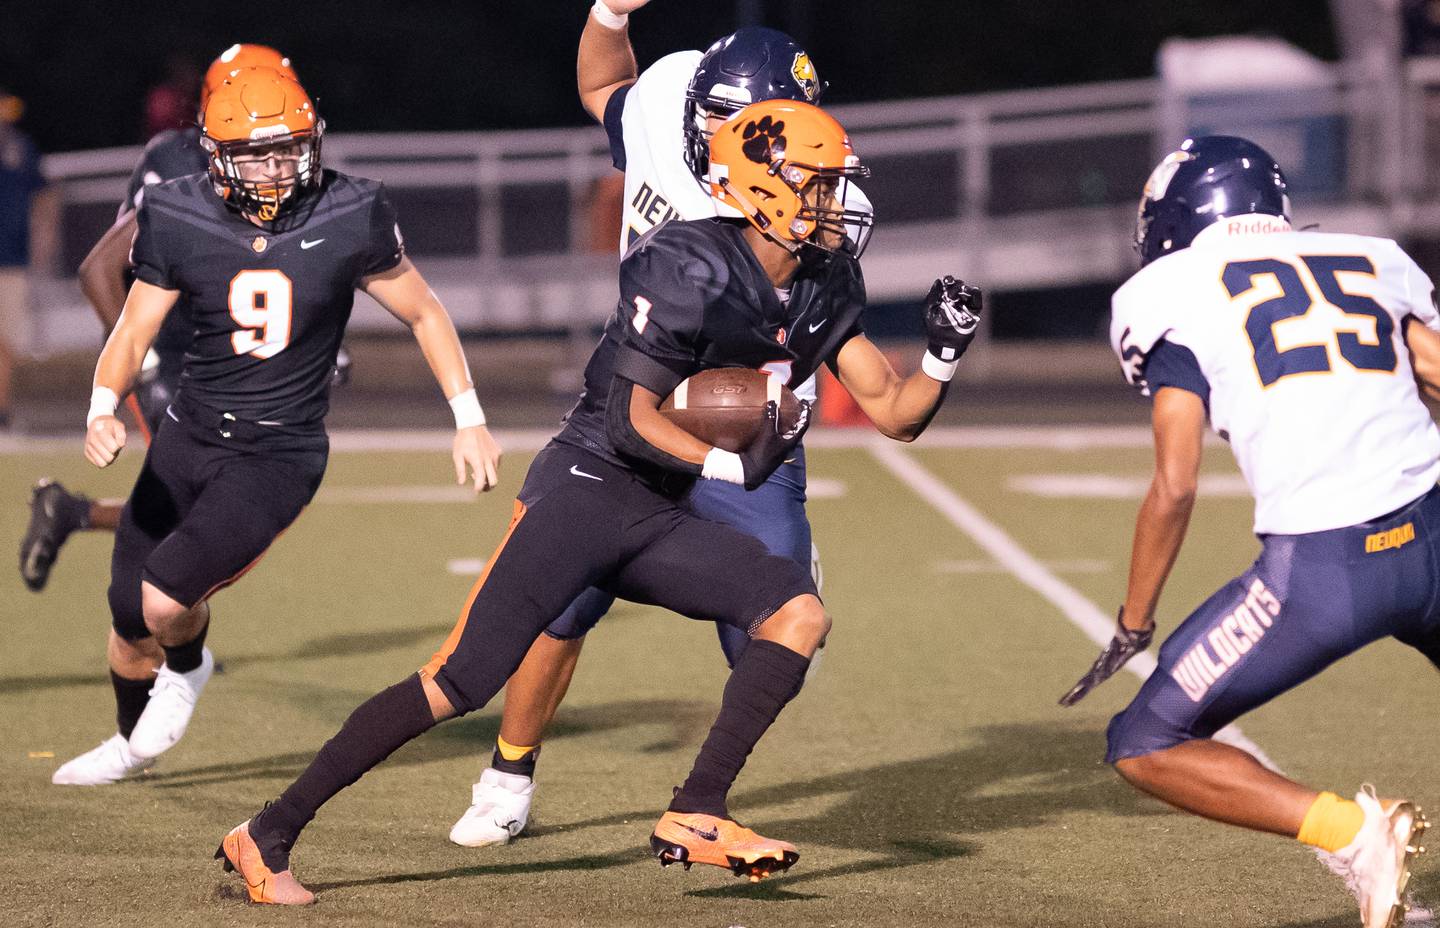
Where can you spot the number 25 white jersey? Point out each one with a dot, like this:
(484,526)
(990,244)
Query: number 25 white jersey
(1299,338)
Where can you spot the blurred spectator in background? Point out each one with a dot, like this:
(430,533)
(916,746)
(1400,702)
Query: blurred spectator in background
(1422,27)
(171,103)
(20,180)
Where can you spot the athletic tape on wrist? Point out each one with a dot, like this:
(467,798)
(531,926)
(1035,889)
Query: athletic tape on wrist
(466,407)
(723,465)
(937,369)
(608,17)
(103,402)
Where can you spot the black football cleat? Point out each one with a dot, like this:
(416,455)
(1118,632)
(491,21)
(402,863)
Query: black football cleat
(53,517)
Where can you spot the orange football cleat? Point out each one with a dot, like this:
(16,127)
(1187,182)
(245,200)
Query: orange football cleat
(240,852)
(695,838)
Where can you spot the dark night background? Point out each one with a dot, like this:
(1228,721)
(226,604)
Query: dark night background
(83,66)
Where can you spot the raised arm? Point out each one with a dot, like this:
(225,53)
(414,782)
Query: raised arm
(405,294)
(605,62)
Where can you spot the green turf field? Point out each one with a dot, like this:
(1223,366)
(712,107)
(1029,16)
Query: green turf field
(926,775)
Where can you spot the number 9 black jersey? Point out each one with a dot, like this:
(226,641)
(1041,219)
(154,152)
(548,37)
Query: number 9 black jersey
(269,307)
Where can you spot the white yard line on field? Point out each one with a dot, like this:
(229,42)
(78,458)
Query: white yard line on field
(1054,438)
(1097,625)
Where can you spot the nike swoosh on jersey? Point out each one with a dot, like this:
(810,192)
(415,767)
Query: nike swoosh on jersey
(304,244)
(580,473)
(816,327)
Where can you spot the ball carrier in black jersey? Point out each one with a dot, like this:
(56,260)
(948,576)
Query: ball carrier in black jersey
(56,512)
(603,503)
(268,249)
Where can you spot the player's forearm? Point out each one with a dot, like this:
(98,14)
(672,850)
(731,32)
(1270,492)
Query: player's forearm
(440,344)
(916,400)
(120,359)
(662,434)
(604,61)
(1159,532)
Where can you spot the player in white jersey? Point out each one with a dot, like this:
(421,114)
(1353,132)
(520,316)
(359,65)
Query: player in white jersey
(1303,349)
(659,124)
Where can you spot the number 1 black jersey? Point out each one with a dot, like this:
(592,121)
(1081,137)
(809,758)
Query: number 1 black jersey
(693,296)
(269,308)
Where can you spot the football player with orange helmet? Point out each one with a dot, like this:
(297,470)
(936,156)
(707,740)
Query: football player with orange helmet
(659,123)
(55,512)
(268,249)
(604,503)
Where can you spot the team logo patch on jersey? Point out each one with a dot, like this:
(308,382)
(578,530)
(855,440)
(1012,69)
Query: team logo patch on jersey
(1397,537)
(260,244)
(764,140)
(804,73)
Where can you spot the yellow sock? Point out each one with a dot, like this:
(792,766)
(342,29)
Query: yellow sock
(514,751)
(1331,823)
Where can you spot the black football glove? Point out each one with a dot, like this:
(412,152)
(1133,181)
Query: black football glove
(768,451)
(952,316)
(1125,645)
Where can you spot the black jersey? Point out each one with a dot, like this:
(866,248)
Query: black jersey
(170,154)
(269,307)
(693,296)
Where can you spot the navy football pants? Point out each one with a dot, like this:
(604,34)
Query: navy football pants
(1308,601)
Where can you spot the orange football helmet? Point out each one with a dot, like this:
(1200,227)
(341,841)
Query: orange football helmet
(243,55)
(258,116)
(785,165)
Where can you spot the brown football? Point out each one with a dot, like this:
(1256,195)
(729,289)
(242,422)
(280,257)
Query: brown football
(725,407)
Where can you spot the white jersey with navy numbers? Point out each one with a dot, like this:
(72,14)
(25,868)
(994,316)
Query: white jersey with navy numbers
(659,185)
(1297,338)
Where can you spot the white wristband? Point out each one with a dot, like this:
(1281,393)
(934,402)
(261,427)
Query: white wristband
(937,369)
(723,465)
(103,402)
(608,17)
(466,407)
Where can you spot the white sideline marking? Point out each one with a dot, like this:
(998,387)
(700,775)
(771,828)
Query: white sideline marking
(1055,438)
(1098,626)
(466,566)
(1114,486)
(1074,566)
(431,493)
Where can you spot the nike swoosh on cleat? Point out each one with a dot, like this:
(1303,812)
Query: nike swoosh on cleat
(580,473)
(816,327)
(711,835)
(304,244)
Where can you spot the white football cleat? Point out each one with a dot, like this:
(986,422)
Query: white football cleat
(172,702)
(499,809)
(110,762)
(1376,865)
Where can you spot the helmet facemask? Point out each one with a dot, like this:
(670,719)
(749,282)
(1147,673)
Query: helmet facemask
(237,169)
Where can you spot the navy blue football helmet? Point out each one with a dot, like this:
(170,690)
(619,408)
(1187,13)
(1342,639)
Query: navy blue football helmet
(747,66)
(1209,178)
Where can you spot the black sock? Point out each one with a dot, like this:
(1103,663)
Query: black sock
(767,676)
(130,699)
(184,658)
(372,732)
(75,510)
(524,767)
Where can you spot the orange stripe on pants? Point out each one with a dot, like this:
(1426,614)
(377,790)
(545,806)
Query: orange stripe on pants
(134,405)
(453,641)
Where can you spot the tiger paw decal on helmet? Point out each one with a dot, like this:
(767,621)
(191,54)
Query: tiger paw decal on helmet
(764,140)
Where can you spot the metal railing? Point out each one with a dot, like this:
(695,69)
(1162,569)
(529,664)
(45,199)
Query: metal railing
(1018,189)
